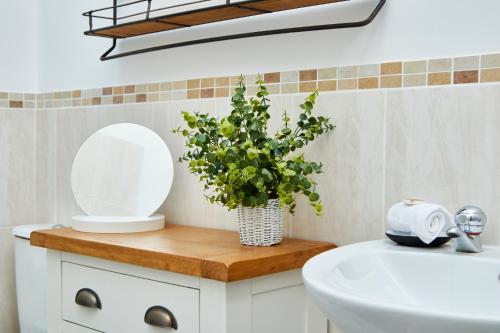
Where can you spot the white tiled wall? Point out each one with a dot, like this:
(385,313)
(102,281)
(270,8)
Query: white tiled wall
(440,144)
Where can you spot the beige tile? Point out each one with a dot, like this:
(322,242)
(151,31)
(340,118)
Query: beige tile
(222,92)
(76,93)
(140,98)
(235,80)
(292,76)
(309,86)
(439,78)
(391,81)
(153,97)
(368,83)
(440,65)
(274,89)
(31,97)
(107,91)
(180,85)
(187,192)
(4,95)
(272,77)
(207,83)
(118,90)
(251,90)
(153,87)
(166,86)
(462,77)
(193,84)
(414,67)
(74,102)
(46,156)
(347,72)
(165,95)
(352,156)
(141,88)
(222,82)
(19,96)
(8,306)
(389,68)
(369,70)
(414,80)
(15,104)
(207,93)
(193,94)
(127,99)
(490,60)
(328,85)
(17,175)
(107,100)
(427,155)
(251,79)
(289,88)
(65,103)
(327,73)
(179,95)
(130,89)
(490,75)
(465,63)
(347,84)
(308,75)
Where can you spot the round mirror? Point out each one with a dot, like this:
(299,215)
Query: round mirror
(122,170)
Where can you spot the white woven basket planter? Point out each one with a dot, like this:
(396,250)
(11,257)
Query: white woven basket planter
(262,226)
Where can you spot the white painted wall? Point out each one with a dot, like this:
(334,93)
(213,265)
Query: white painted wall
(405,29)
(18,45)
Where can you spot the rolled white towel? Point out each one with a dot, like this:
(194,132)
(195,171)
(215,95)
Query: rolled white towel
(424,220)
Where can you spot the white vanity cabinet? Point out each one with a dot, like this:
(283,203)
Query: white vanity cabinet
(269,304)
(180,279)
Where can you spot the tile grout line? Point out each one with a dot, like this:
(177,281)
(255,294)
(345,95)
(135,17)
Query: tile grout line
(35,162)
(384,161)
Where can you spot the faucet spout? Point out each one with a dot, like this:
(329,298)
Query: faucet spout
(464,242)
(470,222)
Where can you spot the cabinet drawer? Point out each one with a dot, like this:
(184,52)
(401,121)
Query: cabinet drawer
(124,301)
(73,328)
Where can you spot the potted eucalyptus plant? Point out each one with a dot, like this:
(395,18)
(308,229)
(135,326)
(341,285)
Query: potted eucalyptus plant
(243,167)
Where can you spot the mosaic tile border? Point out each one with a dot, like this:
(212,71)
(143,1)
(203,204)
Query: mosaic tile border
(388,75)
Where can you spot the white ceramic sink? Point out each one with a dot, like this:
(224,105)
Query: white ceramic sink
(380,287)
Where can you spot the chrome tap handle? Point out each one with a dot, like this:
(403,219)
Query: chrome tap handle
(470,220)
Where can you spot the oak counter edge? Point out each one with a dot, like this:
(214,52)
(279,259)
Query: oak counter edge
(209,268)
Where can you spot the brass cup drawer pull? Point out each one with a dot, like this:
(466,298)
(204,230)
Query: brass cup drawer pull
(159,316)
(88,298)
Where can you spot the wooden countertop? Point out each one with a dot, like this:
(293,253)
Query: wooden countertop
(207,253)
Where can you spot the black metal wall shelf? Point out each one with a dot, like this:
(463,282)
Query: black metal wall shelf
(128,26)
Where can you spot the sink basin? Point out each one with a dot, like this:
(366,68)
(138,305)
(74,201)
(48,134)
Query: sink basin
(380,287)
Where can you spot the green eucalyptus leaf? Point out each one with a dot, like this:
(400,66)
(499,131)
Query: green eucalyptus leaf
(239,163)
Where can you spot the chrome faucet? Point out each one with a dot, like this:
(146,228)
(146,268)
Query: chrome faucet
(470,222)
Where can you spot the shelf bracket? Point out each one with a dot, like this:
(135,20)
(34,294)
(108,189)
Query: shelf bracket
(343,25)
(115,14)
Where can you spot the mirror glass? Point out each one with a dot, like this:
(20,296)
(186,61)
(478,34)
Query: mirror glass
(122,170)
